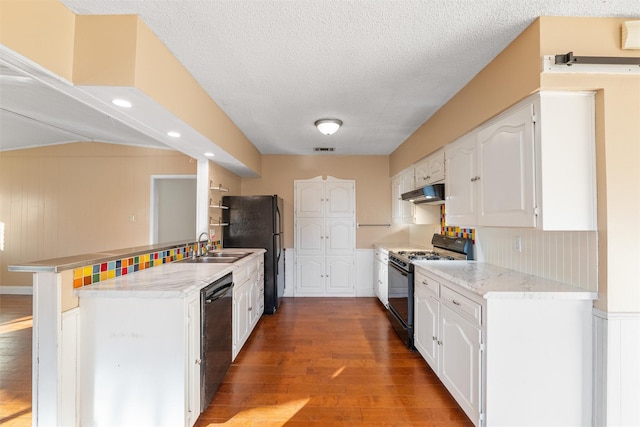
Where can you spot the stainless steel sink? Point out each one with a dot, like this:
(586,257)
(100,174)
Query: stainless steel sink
(210,260)
(217,258)
(226,254)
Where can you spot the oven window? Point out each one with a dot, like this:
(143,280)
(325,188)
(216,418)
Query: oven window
(399,292)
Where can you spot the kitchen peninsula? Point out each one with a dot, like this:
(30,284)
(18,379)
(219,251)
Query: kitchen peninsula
(152,294)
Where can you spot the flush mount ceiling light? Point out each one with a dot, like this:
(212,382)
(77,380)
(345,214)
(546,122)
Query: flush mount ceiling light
(173,134)
(328,126)
(121,103)
(209,154)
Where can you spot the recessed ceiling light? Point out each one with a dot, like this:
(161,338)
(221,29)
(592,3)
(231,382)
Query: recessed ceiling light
(173,134)
(208,154)
(121,103)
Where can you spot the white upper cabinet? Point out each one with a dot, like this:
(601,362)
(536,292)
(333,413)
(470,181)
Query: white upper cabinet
(462,164)
(505,180)
(331,199)
(532,166)
(402,212)
(430,170)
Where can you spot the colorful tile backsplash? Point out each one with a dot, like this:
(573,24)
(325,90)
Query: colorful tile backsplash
(452,231)
(95,273)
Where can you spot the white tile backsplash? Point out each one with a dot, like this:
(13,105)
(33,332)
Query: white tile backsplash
(566,256)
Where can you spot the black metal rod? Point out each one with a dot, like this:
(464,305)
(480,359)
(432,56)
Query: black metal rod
(569,60)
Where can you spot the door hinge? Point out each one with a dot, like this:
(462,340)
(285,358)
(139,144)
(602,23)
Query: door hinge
(481,346)
(534,118)
(481,418)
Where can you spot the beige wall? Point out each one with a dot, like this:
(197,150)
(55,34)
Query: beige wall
(373,190)
(77,198)
(40,30)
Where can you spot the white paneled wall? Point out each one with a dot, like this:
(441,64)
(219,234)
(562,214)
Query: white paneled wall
(566,256)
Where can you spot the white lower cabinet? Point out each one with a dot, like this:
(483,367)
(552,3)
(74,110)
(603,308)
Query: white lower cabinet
(450,344)
(322,276)
(460,356)
(380,275)
(427,313)
(248,301)
(535,369)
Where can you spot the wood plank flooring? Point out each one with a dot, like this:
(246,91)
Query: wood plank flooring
(15,360)
(330,361)
(317,362)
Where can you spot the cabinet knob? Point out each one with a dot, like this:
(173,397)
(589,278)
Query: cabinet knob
(322,237)
(198,361)
(326,237)
(250,308)
(434,338)
(439,342)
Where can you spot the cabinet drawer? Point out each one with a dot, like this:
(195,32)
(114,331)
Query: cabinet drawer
(428,283)
(382,256)
(462,305)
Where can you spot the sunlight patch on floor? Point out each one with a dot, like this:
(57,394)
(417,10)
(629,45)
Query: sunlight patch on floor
(337,373)
(276,414)
(16,325)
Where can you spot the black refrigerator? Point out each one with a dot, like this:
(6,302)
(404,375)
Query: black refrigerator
(256,222)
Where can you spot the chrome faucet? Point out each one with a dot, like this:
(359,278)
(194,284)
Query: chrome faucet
(200,250)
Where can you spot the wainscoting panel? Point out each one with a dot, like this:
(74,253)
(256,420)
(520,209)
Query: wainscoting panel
(616,369)
(565,256)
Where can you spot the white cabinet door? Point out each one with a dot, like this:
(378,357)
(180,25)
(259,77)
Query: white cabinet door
(310,275)
(340,236)
(193,359)
(408,208)
(430,170)
(460,359)
(426,326)
(381,281)
(309,199)
(310,236)
(339,273)
(241,318)
(506,175)
(436,167)
(396,200)
(461,178)
(340,200)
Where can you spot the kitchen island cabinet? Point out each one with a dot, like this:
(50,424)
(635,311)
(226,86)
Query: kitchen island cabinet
(512,349)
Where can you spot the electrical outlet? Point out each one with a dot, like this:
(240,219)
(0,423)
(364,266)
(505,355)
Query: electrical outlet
(132,218)
(517,244)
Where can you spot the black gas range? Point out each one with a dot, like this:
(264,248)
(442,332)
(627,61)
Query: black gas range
(401,286)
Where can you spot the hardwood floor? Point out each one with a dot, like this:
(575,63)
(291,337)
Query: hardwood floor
(317,362)
(330,361)
(15,360)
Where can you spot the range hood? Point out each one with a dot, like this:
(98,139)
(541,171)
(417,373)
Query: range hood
(433,194)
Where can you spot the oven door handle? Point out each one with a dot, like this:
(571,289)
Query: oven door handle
(404,273)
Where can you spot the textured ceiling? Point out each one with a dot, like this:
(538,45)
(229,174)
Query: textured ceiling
(381,66)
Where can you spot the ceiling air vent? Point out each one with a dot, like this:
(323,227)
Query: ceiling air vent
(323,149)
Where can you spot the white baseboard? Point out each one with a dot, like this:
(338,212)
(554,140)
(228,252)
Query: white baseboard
(16,290)
(616,369)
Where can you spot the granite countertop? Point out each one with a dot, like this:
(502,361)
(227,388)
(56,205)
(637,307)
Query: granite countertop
(490,281)
(173,280)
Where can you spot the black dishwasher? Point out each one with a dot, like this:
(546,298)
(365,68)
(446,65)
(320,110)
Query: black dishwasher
(216,306)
